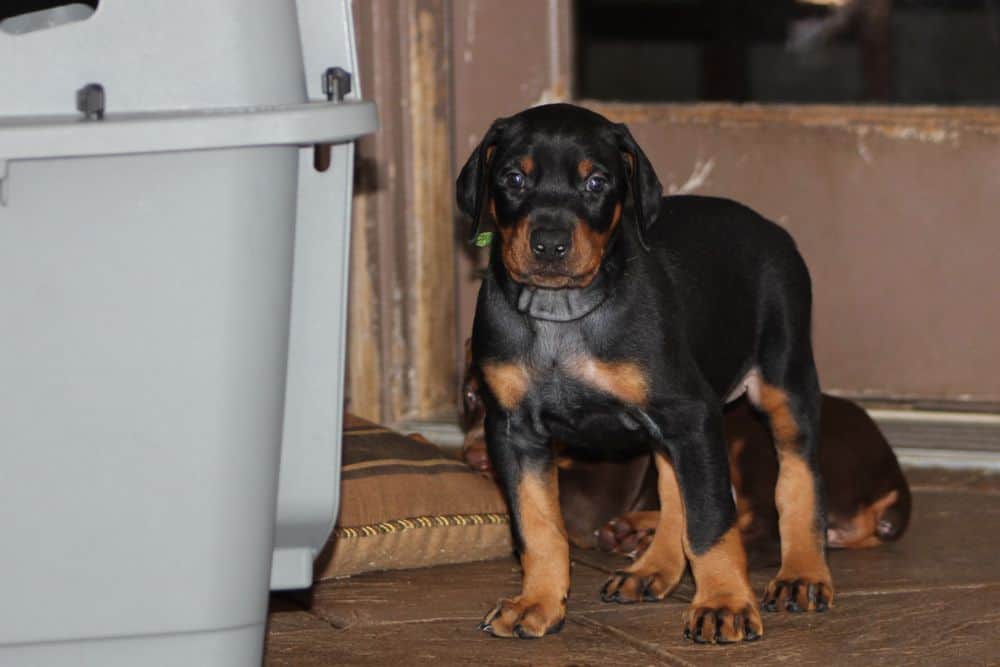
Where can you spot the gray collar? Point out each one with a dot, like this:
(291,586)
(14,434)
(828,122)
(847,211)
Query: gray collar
(563,305)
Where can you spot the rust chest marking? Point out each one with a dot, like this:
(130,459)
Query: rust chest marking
(509,382)
(624,380)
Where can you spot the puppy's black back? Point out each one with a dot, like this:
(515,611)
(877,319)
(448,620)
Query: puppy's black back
(737,278)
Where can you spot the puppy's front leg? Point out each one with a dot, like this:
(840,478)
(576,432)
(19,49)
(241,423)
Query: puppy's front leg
(523,464)
(697,521)
(724,608)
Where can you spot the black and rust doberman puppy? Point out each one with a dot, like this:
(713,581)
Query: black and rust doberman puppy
(621,321)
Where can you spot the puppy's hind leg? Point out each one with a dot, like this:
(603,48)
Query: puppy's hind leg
(788,394)
(656,572)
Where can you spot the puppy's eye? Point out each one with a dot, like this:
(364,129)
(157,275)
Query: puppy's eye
(596,184)
(514,179)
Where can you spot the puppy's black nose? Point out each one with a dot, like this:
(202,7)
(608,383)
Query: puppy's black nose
(550,244)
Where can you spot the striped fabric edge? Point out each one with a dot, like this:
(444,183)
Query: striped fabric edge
(405,463)
(370,430)
(437,521)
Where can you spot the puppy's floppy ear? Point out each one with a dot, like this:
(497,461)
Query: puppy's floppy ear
(643,184)
(473,181)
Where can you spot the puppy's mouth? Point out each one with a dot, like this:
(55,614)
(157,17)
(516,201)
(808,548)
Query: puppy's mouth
(542,263)
(552,278)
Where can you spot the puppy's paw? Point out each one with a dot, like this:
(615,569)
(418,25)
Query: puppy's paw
(723,619)
(790,592)
(475,455)
(525,618)
(640,585)
(623,536)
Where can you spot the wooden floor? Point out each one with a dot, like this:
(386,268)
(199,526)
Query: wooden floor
(931,599)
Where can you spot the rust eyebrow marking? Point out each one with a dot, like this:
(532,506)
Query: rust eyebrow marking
(527,164)
(517,247)
(508,381)
(584,168)
(588,249)
(625,380)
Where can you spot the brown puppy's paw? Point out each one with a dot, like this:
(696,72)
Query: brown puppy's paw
(723,620)
(524,618)
(475,455)
(622,537)
(629,534)
(626,587)
(798,593)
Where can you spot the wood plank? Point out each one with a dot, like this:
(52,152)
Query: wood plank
(942,549)
(929,599)
(461,593)
(448,643)
(285,615)
(401,344)
(934,627)
(433,353)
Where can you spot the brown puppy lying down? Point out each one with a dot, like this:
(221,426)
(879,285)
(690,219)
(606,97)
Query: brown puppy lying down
(614,505)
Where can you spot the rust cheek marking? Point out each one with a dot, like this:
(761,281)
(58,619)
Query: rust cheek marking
(624,380)
(588,250)
(509,382)
(527,165)
(516,247)
(493,209)
(589,245)
(546,550)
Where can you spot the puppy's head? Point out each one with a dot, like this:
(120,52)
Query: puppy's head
(557,181)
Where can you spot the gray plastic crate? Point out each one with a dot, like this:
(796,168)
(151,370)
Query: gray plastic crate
(173,277)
